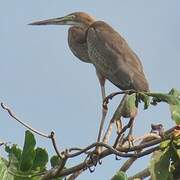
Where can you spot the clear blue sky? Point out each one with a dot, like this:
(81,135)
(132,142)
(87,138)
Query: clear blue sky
(52,90)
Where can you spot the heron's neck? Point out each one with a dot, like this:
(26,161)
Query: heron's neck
(85,23)
(77,43)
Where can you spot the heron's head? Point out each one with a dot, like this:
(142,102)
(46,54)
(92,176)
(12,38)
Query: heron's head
(79,19)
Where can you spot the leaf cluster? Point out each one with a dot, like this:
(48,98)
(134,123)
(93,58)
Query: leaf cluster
(29,163)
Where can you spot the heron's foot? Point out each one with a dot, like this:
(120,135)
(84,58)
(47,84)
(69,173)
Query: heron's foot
(95,158)
(92,160)
(129,141)
(98,150)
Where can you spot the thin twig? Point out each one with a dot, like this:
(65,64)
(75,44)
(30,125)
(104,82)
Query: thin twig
(144,145)
(122,149)
(53,172)
(54,144)
(64,172)
(111,149)
(75,149)
(51,136)
(75,174)
(127,164)
(21,122)
(146,138)
(60,171)
(78,149)
(57,171)
(121,132)
(109,97)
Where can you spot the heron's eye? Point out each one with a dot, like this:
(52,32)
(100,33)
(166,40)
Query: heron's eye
(72,16)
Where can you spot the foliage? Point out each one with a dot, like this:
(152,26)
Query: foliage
(166,161)
(30,162)
(173,99)
(120,176)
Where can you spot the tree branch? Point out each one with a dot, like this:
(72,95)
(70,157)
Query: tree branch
(51,136)
(141,175)
(21,122)
(120,151)
(130,161)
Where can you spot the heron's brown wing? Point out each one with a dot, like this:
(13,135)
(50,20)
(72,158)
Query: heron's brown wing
(113,58)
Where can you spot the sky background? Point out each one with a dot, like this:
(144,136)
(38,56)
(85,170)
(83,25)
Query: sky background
(51,89)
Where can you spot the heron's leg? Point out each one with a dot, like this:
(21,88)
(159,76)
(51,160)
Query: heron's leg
(104,110)
(115,119)
(129,136)
(108,132)
(118,123)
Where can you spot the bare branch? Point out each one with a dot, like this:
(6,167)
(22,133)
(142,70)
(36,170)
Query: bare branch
(147,137)
(54,145)
(75,175)
(112,95)
(122,131)
(53,172)
(21,122)
(134,152)
(51,136)
(141,175)
(109,151)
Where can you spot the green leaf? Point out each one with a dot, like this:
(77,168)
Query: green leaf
(28,153)
(161,169)
(178,152)
(175,113)
(55,161)
(145,98)
(127,107)
(14,154)
(26,164)
(175,105)
(154,159)
(164,144)
(177,141)
(4,174)
(173,99)
(120,176)
(40,160)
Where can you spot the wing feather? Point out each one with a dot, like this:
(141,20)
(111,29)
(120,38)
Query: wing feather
(114,59)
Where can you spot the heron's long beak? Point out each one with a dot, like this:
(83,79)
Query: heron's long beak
(66,20)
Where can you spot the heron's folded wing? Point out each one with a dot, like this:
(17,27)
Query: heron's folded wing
(112,57)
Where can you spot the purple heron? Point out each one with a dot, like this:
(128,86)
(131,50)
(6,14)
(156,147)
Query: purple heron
(98,43)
